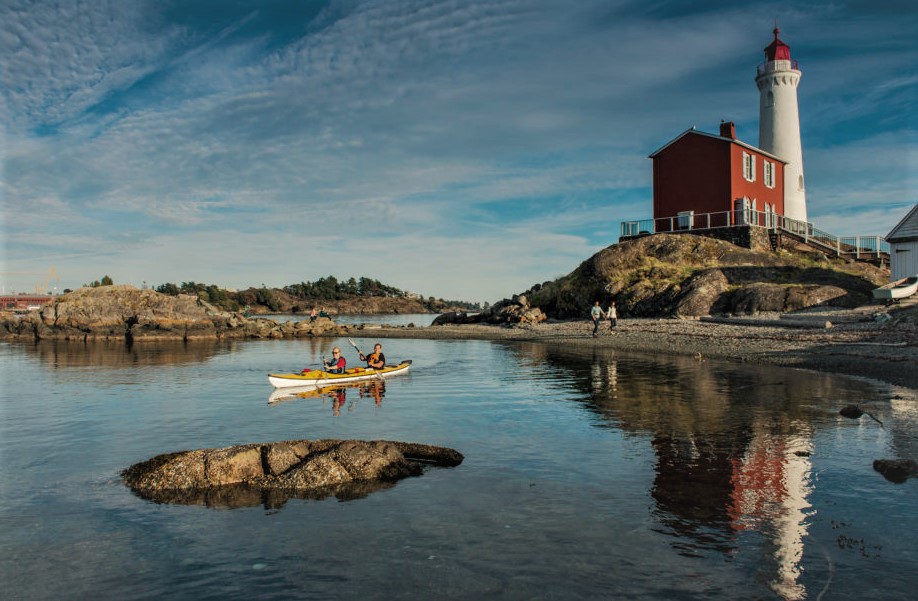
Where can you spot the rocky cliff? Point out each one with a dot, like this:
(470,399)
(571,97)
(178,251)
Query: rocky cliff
(687,275)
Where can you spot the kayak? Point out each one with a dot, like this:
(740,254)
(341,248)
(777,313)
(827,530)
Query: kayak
(320,378)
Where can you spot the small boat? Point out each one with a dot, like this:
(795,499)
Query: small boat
(319,378)
(898,289)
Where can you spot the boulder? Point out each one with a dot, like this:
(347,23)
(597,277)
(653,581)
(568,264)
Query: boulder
(513,311)
(272,473)
(699,293)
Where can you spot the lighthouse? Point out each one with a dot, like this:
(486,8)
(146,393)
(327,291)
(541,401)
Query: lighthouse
(779,121)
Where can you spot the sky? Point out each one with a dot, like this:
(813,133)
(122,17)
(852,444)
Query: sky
(458,149)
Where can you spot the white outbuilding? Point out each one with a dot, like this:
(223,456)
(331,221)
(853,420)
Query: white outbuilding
(903,247)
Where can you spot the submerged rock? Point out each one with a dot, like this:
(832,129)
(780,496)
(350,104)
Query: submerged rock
(271,473)
(851,411)
(896,470)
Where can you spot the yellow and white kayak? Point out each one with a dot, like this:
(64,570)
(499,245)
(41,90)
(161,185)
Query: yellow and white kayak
(323,378)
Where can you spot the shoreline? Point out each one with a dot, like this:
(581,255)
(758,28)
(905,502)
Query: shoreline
(862,348)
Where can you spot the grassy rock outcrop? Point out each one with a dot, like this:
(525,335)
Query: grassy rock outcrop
(272,473)
(688,276)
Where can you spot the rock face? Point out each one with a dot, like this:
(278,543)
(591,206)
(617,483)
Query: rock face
(271,473)
(514,311)
(683,275)
(124,312)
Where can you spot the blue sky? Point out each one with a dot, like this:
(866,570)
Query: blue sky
(457,149)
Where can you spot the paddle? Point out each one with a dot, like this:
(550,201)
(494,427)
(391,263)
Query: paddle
(353,344)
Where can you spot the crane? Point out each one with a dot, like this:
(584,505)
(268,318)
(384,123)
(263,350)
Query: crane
(51,276)
(42,286)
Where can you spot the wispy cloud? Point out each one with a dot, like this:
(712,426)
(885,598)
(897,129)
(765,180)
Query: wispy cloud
(476,147)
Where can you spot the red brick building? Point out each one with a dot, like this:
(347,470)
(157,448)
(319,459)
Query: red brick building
(704,180)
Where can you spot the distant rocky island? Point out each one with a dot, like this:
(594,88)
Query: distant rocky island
(363,296)
(121,312)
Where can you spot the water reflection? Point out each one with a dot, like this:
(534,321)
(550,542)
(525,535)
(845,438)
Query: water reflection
(235,496)
(732,446)
(375,389)
(121,355)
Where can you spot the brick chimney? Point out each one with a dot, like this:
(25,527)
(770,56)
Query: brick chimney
(728,129)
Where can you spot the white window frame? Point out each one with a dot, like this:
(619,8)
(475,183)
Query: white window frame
(768,170)
(748,167)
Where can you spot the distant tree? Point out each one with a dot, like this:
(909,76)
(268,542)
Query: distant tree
(107,281)
(349,287)
(170,289)
(265,297)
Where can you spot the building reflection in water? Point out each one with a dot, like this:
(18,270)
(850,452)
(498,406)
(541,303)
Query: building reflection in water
(732,446)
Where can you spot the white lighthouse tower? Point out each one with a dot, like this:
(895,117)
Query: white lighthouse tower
(779,121)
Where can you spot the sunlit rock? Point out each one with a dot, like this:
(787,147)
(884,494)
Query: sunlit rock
(271,473)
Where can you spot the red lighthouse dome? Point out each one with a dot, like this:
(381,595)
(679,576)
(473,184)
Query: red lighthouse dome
(777,50)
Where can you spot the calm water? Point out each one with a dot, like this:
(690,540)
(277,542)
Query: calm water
(588,474)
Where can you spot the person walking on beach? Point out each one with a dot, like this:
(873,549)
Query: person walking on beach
(596,315)
(612,314)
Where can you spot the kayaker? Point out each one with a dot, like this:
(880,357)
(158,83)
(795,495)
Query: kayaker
(376,359)
(337,364)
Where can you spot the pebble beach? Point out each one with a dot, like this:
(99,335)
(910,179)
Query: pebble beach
(865,342)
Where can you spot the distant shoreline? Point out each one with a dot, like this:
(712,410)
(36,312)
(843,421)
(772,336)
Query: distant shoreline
(863,349)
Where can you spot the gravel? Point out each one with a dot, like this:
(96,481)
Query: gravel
(860,342)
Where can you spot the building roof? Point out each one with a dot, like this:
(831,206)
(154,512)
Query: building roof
(907,229)
(692,130)
(777,50)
